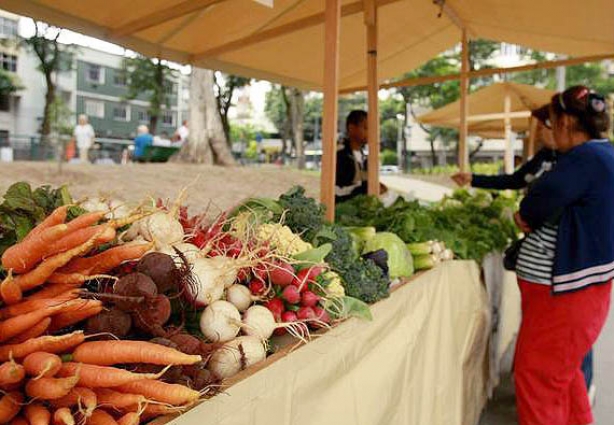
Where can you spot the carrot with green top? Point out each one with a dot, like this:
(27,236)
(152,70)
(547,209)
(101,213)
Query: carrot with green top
(106,353)
(79,237)
(92,376)
(9,290)
(19,420)
(85,220)
(40,274)
(11,373)
(50,344)
(32,304)
(58,216)
(35,331)
(108,398)
(173,394)
(37,414)
(24,255)
(51,291)
(130,418)
(10,406)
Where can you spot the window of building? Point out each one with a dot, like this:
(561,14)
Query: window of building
(143,117)
(8,27)
(121,113)
(170,88)
(4,138)
(120,78)
(5,103)
(94,108)
(8,62)
(94,74)
(168,118)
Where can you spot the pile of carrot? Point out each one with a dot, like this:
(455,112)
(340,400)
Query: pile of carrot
(41,297)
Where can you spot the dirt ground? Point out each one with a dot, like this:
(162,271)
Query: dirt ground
(221,187)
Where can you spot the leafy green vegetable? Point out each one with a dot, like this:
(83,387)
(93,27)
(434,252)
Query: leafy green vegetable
(313,256)
(303,215)
(400,262)
(344,307)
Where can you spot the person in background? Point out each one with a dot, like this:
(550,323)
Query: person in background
(351,172)
(182,133)
(83,136)
(523,178)
(569,212)
(141,141)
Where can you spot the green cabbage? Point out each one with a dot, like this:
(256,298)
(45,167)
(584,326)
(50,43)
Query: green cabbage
(400,261)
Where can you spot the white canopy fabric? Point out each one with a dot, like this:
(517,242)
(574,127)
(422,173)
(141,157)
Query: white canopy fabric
(285,43)
(486,109)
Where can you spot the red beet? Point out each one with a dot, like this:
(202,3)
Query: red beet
(152,315)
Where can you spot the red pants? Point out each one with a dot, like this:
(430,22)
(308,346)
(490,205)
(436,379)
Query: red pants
(556,333)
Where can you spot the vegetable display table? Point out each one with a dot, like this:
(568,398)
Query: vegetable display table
(422,360)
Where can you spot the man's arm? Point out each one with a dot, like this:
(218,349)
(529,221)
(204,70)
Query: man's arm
(517,180)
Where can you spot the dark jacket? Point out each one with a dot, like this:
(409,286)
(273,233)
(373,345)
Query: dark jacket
(351,175)
(582,186)
(542,162)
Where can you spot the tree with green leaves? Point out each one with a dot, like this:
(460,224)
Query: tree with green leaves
(225,86)
(151,76)
(53,58)
(8,83)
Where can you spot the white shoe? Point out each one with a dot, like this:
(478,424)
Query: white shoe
(592,394)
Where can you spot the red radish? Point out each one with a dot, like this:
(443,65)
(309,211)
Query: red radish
(305,313)
(306,276)
(281,273)
(276,306)
(257,287)
(260,274)
(322,315)
(288,317)
(243,275)
(291,294)
(309,299)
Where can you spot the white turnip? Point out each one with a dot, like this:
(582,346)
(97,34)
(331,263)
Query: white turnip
(240,296)
(211,277)
(220,321)
(236,355)
(161,228)
(259,322)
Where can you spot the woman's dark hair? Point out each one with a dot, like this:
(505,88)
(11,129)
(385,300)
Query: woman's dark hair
(588,107)
(356,117)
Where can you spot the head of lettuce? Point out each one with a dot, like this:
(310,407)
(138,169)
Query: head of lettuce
(400,261)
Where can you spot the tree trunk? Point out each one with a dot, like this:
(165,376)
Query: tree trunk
(197,149)
(157,99)
(433,155)
(153,123)
(297,102)
(213,122)
(49,98)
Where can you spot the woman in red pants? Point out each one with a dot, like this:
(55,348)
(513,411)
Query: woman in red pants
(566,263)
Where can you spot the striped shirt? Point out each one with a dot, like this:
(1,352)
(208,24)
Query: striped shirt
(536,256)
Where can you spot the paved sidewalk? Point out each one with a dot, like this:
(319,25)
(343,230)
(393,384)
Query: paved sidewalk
(416,188)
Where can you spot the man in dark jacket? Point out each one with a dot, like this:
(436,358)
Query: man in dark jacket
(351,173)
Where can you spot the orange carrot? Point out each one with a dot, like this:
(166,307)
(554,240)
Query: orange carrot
(11,373)
(130,418)
(106,353)
(42,364)
(152,411)
(19,324)
(77,238)
(39,275)
(62,416)
(85,220)
(10,405)
(68,318)
(50,388)
(79,396)
(108,398)
(174,394)
(23,256)
(34,332)
(107,260)
(50,344)
(9,290)
(58,216)
(37,414)
(92,376)
(19,420)
(100,417)
(31,305)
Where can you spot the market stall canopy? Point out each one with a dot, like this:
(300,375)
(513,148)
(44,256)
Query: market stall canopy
(487,109)
(285,43)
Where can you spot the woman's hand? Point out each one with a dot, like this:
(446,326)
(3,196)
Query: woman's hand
(522,225)
(462,179)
